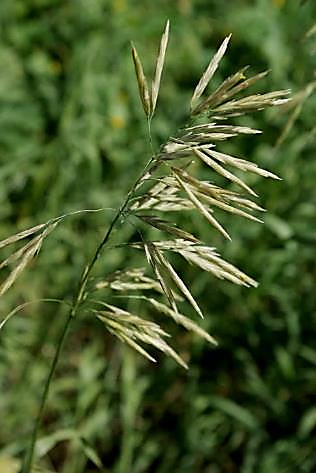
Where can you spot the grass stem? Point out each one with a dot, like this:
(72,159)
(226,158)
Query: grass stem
(27,467)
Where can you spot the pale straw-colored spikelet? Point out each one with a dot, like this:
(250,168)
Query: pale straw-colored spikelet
(222,171)
(132,279)
(153,258)
(167,227)
(22,235)
(159,67)
(182,320)
(179,283)
(209,72)
(135,330)
(22,257)
(201,208)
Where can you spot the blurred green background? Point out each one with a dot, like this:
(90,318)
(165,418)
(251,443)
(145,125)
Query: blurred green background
(72,134)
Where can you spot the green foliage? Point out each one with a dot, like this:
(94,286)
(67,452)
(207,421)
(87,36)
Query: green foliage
(71,135)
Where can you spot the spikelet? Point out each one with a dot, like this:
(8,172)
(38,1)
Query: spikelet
(159,67)
(142,82)
(149,97)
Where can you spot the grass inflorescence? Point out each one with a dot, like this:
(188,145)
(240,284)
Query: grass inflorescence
(167,185)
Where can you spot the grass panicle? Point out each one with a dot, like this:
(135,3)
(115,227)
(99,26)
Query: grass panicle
(166,184)
(175,190)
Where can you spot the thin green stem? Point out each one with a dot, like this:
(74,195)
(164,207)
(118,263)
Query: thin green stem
(77,301)
(150,135)
(27,467)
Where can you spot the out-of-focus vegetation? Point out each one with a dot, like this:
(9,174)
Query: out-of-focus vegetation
(71,135)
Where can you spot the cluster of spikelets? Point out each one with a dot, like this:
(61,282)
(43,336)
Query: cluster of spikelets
(166,185)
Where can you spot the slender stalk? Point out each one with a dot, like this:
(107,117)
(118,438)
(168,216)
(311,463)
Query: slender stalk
(149,134)
(77,301)
(27,466)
